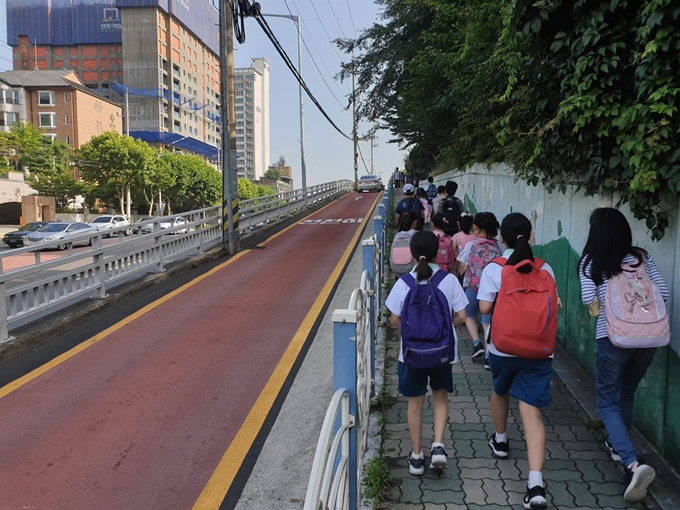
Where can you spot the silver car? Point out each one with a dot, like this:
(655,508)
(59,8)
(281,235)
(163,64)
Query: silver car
(165,224)
(58,231)
(370,183)
(110,222)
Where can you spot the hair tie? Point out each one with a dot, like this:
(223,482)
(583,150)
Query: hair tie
(444,220)
(520,237)
(422,257)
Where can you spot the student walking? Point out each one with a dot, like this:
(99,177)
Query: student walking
(527,325)
(611,264)
(401,260)
(437,201)
(397,178)
(446,255)
(427,207)
(425,305)
(473,259)
(464,236)
(410,203)
(431,188)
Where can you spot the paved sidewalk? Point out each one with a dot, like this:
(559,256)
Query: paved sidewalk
(578,472)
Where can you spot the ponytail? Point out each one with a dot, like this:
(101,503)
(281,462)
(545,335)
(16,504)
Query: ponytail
(516,231)
(424,247)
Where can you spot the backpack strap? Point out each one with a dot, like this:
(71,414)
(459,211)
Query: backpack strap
(501,261)
(438,277)
(409,280)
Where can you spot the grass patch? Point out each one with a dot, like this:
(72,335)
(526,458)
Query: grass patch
(377,482)
(596,427)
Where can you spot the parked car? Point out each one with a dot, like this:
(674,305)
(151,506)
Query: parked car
(16,237)
(109,222)
(167,223)
(370,183)
(138,227)
(56,231)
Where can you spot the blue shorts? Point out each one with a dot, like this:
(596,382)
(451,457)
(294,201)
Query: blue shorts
(472,308)
(527,380)
(413,381)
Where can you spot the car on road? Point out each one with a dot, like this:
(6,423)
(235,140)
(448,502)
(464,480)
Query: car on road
(166,224)
(62,231)
(138,227)
(111,221)
(15,238)
(370,183)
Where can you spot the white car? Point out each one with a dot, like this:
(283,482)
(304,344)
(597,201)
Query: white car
(165,224)
(110,222)
(58,231)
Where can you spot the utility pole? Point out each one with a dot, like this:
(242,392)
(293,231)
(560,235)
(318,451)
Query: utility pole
(372,139)
(230,202)
(127,112)
(354,131)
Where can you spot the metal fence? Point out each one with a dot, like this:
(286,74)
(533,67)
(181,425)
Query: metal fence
(335,481)
(47,283)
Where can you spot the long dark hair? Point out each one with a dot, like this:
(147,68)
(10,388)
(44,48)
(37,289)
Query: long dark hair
(465,222)
(439,221)
(487,222)
(405,222)
(516,232)
(424,247)
(609,241)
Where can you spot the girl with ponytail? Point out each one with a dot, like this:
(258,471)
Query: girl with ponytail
(413,382)
(528,380)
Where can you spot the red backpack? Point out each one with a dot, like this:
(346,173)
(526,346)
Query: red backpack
(446,255)
(524,321)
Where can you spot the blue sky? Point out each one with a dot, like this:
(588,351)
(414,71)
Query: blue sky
(328,154)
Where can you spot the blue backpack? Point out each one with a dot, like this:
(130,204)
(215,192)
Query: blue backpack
(426,329)
(432,191)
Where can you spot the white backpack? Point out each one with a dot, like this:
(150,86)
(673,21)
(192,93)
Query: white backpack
(634,310)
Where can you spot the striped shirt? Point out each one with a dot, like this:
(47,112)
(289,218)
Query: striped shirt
(589,290)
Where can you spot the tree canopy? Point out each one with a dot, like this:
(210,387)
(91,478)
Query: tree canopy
(566,92)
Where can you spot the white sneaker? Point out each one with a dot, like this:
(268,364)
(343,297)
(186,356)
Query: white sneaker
(438,457)
(640,478)
(416,465)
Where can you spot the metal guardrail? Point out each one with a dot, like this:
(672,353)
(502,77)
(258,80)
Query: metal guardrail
(48,283)
(354,334)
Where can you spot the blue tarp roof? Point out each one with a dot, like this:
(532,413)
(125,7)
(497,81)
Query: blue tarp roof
(183,142)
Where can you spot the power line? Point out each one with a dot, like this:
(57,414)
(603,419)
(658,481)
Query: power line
(362,159)
(336,19)
(330,39)
(351,18)
(277,45)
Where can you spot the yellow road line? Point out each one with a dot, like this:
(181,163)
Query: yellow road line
(217,487)
(18,383)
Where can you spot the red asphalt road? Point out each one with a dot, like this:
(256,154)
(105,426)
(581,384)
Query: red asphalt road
(141,419)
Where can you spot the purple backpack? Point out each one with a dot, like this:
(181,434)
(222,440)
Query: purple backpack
(483,251)
(427,338)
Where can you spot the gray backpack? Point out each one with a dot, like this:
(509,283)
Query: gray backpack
(401,260)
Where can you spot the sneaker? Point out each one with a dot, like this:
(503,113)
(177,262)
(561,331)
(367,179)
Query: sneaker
(535,498)
(477,350)
(639,479)
(438,457)
(416,466)
(498,448)
(487,365)
(610,448)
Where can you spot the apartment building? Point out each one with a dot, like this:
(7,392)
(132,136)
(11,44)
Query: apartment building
(251,87)
(162,54)
(58,103)
(5,50)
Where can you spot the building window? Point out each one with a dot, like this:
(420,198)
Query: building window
(47,120)
(65,97)
(67,119)
(50,136)
(68,140)
(46,98)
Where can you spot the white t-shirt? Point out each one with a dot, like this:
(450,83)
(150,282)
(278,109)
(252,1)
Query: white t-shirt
(490,284)
(451,288)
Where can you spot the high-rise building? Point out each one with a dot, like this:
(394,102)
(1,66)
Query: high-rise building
(162,54)
(5,50)
(251,85)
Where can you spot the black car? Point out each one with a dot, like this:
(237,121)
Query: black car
(15,238)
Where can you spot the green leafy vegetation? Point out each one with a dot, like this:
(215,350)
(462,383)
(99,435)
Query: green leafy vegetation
(377,482)
(565,92)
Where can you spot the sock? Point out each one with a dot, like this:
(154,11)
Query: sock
(476,342)
(437,444)
(501,438)
(535,478)
(633,465)
(421,455)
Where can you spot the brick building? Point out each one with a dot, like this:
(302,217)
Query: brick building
(58,103)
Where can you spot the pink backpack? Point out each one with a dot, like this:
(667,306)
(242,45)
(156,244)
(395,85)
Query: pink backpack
(483,251)
(634,310)
(446,256)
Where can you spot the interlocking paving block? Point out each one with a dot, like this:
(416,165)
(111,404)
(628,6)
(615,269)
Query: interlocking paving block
(474,494)
(615,502)
(410,490)
(607,488)
(609,470)
(582,495)
(555,451)
(590,472)
(464,448)
(442,497)
(582,445)
(478,463)
(480,473)
(509,470)
(558,494)
(495,493)
(562,475)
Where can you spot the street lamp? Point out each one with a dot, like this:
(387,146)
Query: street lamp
(296,19)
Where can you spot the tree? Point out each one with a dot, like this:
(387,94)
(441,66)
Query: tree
(197,184)
(159,182)
(61,185)
(248,190)
(118,162)
(273,173)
